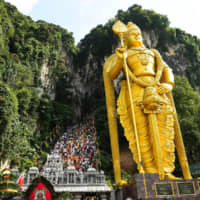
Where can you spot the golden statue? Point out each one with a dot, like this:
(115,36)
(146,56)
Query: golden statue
(145,106)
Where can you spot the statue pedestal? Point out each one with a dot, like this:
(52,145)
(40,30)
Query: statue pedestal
(150,187)
(117,194)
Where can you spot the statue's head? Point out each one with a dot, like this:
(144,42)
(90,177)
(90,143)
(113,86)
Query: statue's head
(133,37)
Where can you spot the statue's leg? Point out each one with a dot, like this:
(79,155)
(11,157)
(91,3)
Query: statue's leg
(145,141)
(166,130)
(142,127)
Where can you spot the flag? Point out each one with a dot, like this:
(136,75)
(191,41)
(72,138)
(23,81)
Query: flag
(20,181)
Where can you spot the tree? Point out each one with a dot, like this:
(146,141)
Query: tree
(187,103)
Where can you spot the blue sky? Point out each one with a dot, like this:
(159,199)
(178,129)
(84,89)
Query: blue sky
(80,16)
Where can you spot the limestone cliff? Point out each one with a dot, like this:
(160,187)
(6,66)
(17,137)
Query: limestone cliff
(52,83)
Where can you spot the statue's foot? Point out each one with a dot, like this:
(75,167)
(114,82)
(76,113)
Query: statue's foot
(121,183)
(172,177)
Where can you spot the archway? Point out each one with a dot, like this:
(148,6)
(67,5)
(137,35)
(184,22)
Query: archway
(40,189)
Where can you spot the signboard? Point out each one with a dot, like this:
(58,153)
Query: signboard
(164,189)
(185,189)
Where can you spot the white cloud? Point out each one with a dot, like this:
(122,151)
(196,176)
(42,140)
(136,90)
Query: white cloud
(24,6)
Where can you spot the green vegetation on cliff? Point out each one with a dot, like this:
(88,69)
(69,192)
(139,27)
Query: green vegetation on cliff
(28,116)
(188,107)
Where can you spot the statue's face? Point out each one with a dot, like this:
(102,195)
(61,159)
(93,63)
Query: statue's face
(135,39)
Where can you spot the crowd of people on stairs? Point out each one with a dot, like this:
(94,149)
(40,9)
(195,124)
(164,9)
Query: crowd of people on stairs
(77,146)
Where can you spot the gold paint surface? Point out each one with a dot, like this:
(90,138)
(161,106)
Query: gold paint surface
(145,106)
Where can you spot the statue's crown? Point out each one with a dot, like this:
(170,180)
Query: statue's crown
(133,28)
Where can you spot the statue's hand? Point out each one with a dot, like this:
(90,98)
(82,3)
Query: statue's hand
(164,88)
(122,183)
(120,51)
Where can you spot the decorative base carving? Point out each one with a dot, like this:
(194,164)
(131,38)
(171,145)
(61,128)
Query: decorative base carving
(150,187)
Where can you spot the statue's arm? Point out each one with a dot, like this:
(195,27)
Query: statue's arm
(167,80)
(167,76)
(112,68)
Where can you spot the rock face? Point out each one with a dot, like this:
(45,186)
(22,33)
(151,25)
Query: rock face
(176,60)
(150,39)
(46,84)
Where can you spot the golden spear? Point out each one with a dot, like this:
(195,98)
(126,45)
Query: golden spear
(120,29)
(180,145)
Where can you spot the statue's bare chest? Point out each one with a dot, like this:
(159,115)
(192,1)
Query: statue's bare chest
(141,62)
